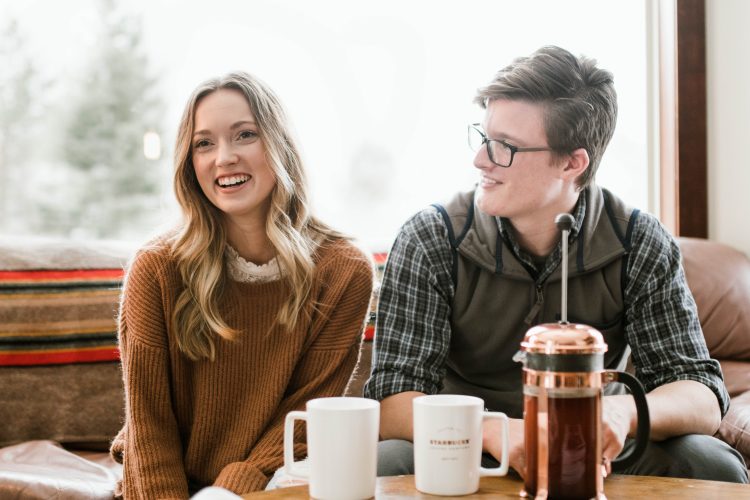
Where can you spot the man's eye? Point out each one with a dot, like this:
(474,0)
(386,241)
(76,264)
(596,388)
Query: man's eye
(505,145)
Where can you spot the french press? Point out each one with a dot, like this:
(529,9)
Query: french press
(563,380)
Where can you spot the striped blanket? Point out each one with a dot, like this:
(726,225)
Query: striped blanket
(59,299)
(61,316)
(68,315)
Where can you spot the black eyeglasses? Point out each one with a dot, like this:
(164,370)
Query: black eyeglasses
(500,152)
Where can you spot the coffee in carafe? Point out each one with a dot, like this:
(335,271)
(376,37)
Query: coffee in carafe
(563,381)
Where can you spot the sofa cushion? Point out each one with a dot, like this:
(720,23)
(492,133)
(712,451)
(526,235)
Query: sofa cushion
(735,427)
(42,469)
(719,277)
(71,403)
(736,376)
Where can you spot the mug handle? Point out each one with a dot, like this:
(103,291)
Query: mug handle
(290,466)
(503,468)
(643,431)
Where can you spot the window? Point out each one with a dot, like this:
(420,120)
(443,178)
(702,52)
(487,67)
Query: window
(380,95)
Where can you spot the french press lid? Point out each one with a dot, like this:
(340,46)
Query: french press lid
(563,347)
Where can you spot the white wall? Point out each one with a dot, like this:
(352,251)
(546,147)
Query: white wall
(728,97)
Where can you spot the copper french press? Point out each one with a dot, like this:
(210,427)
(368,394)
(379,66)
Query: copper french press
(563,381)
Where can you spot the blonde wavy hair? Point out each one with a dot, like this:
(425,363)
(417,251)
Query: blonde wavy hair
(200,242)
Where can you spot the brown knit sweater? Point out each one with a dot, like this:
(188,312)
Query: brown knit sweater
(221,423)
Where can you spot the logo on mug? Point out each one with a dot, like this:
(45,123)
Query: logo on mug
(450,439)
(449,442)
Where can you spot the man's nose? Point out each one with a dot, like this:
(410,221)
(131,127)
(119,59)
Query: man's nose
(482,159)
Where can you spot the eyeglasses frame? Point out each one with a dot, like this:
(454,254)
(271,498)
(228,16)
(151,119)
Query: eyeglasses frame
(513,149)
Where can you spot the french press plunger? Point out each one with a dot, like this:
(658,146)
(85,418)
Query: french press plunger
(563,380)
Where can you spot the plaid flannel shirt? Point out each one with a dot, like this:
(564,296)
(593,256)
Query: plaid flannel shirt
(413,328)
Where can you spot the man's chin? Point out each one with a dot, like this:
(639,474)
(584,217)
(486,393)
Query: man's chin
(489,208)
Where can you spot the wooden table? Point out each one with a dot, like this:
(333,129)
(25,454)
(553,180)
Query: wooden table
(615,487)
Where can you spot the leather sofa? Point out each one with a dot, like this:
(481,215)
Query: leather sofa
(719,277)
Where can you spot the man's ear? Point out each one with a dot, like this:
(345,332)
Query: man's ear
(577,163)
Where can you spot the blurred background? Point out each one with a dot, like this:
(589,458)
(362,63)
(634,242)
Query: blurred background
(380,94)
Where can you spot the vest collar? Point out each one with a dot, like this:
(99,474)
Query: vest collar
(597,243)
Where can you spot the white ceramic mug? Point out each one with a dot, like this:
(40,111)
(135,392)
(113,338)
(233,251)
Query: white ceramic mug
(342,447)
(448,444)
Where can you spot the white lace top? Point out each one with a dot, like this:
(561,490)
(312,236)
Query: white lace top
(247,272)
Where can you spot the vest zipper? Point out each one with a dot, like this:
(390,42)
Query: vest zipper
(536,307)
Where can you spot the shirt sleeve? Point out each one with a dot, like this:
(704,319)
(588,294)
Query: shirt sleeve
(152,455)
(323,370)
(663,328)
(413,330)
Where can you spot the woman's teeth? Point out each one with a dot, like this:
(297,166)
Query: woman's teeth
(234,180)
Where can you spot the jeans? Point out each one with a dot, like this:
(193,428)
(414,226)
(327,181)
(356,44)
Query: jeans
(692,456)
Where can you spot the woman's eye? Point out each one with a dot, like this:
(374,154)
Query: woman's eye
(247,134)
(201,144)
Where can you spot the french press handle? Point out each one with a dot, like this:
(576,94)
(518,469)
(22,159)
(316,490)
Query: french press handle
(643,430)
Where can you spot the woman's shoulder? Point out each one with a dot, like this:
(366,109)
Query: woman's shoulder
(154,257)
(343,254)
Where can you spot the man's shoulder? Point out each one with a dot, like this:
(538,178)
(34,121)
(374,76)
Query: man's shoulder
(425,225)
(422,238)
(653,251)
(639,227)
(438,217)
(649,231)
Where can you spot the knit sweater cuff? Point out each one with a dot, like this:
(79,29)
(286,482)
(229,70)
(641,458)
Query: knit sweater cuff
(241,477)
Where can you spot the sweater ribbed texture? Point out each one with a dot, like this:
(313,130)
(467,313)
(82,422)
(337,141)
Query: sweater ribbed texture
(221,423)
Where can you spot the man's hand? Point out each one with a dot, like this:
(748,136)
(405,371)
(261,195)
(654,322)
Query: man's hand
(492,442)
(618,421)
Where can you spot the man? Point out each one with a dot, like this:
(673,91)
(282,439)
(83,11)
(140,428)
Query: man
(464,282)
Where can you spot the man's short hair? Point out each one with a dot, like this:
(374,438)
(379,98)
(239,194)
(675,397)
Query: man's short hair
(579,100)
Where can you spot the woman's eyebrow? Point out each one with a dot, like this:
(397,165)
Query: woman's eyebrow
(234,126)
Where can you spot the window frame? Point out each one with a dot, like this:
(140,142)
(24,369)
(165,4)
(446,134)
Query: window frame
(683,138)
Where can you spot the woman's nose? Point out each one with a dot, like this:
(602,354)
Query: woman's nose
(225,154)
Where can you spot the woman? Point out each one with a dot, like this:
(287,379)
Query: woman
(246,311)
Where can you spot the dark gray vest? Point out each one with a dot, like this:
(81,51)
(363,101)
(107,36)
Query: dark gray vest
(496,299)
